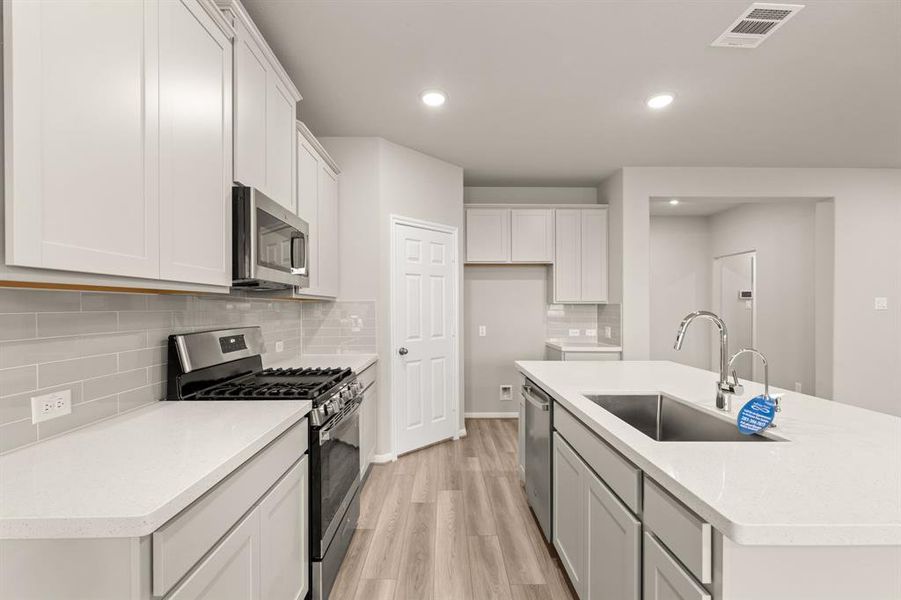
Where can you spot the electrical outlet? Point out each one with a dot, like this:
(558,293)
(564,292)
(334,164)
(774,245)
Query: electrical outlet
(608,332)
(880,303)
(50,406)
(483,331)
(573,333)
(798,386)
(591,332)
(506,393)
(279,346)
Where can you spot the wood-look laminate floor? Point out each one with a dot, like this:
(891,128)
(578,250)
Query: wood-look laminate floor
(450,522)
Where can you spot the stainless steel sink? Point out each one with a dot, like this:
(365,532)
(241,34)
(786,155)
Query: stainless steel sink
(664,419)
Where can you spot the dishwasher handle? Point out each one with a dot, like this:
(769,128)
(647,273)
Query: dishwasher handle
(533,394)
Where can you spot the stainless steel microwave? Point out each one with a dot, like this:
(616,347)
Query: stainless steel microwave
(271,245)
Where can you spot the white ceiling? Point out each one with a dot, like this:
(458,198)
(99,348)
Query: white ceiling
(552,92)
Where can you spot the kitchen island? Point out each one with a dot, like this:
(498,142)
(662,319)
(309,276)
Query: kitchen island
(814,513)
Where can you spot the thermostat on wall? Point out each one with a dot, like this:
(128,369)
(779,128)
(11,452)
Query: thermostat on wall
(745,295)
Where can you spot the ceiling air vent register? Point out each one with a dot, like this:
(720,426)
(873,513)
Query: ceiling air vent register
(756,24)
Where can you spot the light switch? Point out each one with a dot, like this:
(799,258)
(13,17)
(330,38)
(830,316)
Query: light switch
(483,331)
(880,303)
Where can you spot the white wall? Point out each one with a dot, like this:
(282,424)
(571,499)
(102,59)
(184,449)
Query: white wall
(824,283)
(783,237)
(380,179)
(510,302)
(530,195)
(679,284)
(867,343)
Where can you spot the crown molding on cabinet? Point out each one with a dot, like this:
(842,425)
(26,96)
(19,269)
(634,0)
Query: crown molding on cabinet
(536,206)
(236,10)
(213,11)
(308,135)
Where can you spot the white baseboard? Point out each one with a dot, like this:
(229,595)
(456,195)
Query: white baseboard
(460,434)
(383,458)
(491,415)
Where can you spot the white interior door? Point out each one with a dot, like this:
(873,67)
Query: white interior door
(425,326)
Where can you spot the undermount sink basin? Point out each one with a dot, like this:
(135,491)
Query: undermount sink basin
(664,419)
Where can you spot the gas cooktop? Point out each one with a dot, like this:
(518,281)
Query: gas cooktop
(295,384)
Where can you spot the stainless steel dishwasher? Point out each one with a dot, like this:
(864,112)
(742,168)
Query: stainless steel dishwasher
(538,454)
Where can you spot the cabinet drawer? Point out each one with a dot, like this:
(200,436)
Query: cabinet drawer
(664,577)
(367,377)
(181,542)
(687,536)
(622,476)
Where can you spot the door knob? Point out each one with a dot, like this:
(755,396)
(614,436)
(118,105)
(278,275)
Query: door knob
(403,351)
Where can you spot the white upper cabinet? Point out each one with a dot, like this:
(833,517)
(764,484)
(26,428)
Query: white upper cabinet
(195,146)
(531,235)
(580,261)
(118,149)
(318,205)
(249,109)
(81,126)
(265,108)
(327,231)
(488,235)
(280,116)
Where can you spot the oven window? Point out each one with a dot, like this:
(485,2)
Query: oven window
(274,239)
(340,465)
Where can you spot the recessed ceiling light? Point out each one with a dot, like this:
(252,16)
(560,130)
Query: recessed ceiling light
(433,98)
(660,101)
(674,201)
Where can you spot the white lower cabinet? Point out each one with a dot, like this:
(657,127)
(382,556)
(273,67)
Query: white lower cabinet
(368,417)
(596,535)
(232,569)
(284,531)
(664,577)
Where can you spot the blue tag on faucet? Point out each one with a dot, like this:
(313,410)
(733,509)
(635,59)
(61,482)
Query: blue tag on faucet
(756,415)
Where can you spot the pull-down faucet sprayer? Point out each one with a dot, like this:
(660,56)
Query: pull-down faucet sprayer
(723,386)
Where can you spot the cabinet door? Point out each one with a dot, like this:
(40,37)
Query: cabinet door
(231,571)
(532,235)
(327,232)
(284,536)
(195,75)
(250,110)
(568,255)
(80,128)
(594,255)
(613,546)
(308,202)
(488,235)
(569,512)
(664,578)
(280,131)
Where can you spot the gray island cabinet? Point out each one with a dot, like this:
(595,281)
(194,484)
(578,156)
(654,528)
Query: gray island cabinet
(634,518)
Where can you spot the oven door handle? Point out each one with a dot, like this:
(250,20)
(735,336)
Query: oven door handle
(345,414)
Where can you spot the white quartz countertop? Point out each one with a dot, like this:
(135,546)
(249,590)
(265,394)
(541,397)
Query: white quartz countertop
(357,362)
(570,346)
(835,481)
(126,476)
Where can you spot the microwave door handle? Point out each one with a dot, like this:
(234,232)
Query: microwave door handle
(301,241)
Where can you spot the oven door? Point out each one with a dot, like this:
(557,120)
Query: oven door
(271,243)
(336,474)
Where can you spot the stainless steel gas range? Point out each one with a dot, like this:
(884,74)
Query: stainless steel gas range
(226,364)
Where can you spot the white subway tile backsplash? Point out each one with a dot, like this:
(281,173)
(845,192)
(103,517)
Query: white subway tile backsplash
(18,326)
(76,369)
(17,380)
(339,327)
(82,414)
(61,324)
(35,301)
(110,349)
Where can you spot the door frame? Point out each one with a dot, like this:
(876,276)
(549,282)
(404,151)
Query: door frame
(394,370)
(716,305)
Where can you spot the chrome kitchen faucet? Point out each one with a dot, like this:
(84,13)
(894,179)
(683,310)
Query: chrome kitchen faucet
(723,386)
